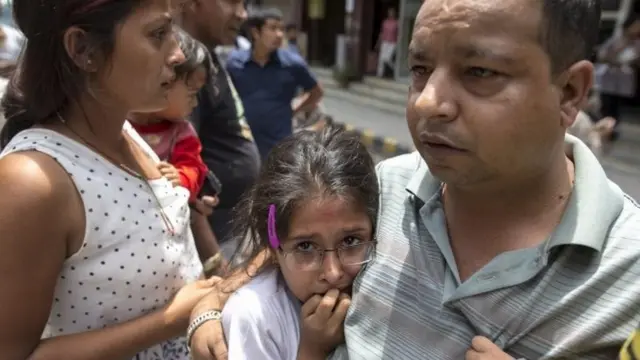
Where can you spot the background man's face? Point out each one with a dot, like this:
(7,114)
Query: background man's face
(481,82)
(270,35)
(215,22)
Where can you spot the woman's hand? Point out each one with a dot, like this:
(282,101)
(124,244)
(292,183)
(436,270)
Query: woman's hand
(170,173)
(207,341)
(178,311)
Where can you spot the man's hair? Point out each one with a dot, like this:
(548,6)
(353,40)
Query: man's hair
(258,18)
(569,30)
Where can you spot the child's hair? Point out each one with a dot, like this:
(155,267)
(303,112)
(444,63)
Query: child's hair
(307,164)
(196,55)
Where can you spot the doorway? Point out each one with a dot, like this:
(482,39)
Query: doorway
(380,11)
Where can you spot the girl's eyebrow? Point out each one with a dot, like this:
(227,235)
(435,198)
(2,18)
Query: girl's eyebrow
(354,229)
(346,231)
(308,236)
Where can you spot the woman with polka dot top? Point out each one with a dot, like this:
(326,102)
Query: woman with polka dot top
(96,257)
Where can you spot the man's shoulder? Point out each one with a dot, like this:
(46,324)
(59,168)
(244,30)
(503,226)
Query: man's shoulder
(290,58)
(625,230)
(400,169)
(237,58)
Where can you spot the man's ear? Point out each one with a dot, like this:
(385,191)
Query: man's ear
(255,32)
(77,45)
(574,84)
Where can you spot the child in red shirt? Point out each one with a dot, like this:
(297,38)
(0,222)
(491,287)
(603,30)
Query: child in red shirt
(177,145)
(176,142)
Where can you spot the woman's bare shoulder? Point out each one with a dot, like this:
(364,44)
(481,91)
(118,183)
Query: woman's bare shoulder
(34,187)
(31,175)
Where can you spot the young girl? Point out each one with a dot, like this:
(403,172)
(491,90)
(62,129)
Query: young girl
(313,208)
(176,142)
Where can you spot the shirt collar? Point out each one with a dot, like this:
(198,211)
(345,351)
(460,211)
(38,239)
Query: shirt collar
(246,56)
(593,207)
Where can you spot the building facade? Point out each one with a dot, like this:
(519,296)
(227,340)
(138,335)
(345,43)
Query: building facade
(355,24)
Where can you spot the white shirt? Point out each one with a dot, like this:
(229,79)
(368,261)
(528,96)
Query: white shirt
(13,43)
(262,320)
(3,88)
(128,265)
(243,43)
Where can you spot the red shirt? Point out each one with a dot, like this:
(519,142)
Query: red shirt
(177,143)
(389,31)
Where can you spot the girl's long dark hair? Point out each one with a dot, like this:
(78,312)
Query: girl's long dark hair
(307,164)
(46,80)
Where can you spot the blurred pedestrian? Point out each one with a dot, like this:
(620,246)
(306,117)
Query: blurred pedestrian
(387,41)
(618,61)
(12,42)
(291,34)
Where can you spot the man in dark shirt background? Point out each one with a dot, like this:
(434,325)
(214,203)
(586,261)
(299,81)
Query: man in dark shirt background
(268,78)
(228,147)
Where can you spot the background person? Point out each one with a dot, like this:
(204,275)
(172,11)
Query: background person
(228,148)
(268,79)
(97,258)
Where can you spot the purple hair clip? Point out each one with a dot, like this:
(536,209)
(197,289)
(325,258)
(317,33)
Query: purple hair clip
(271,227)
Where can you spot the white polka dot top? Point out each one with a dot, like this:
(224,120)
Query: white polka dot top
(129,263)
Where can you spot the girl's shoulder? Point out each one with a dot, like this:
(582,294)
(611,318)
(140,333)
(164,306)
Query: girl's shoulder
(266,291)
(261,320)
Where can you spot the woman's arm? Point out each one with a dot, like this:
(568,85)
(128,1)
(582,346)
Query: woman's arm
(41,224)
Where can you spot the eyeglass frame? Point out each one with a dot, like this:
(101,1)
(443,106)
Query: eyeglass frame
(322,253)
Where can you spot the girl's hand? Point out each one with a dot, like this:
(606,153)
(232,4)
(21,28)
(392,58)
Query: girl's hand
(483,349)
(322,325)
(170,172)
(179,309)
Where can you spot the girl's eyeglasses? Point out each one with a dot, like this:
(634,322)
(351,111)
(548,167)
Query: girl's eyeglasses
(312,259)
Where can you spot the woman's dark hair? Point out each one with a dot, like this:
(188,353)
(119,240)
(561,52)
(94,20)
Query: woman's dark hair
(46,79)
(195,53)
(308,164)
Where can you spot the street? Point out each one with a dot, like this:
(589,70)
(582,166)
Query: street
(622,164)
